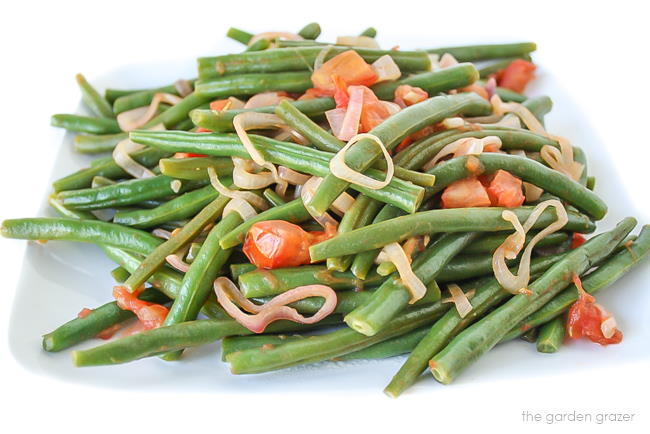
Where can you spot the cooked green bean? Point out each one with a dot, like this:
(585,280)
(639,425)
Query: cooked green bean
(83,328)
(88,231)
(93,100)
(551,336)
(400,193)
(239,35)
(310,31)
(195,168)
(489,242)
(85,124)
(528,170)
(289,60)
(370,32)
(499,65)
(263,283)
(273,198)
(250,84)
(393,296)
(120,274)
(609,272)
(94,144)
(484,334)
(362,155)
(435,221)
(472,53)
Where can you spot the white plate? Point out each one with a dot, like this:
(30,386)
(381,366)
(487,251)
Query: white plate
(59,279)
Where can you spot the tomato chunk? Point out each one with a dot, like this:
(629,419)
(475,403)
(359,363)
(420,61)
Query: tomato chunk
(349,66)
(278,243)
(505,190)
(219,104)
(406,95)
(585,319)
(577,240)
(151,315)
(468,192)
(516,75)
(373,112)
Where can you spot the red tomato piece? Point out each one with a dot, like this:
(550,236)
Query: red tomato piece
(505,190)
(585,319)
(577,240)
(151,315)
(314,93)
(406,95)
(84,312)
(187,155)
(477,88)
(373,112)
(203,130)
(341,95)
(468,192)
(278,243)
(349,66)
(516,75)
(219,104)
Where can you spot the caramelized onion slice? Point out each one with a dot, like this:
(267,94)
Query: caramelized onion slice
(357,41)
(248,196)
(231,299)
(513,244)
(394,253)
(464,146)
(341,170)
(124,160)
(244,176)
(133,119)
(386,69)
(460,299)
(241,207)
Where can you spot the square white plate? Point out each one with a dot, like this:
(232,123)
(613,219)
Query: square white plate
(59,279)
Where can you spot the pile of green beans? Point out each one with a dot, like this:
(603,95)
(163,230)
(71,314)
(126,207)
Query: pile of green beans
(174,231)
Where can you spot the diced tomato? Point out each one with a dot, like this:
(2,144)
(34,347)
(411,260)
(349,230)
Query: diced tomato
(577,240)
(151,315)
(406,95)
(219,104)
(349,66)
(84,312)
(104,334)
(188,155)
(341,95)
(313,93)
(468,192)
(585,319)
(203,130)
(516,75)
(505,190)
(278,243)
(373,112)
(404,144)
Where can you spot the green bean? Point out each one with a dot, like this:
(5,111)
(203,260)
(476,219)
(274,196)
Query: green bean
(360,214)
(232,344)
(100,181)
(273,198)
(551,336)
(422,151)
(93,100)
(124,193)
(259,45)
(530,336)
(195,168)
(221,121)
(393,296)
(197,282)
(364,261)
(172,338)
(120,274)
(99,319)
(85,124)
(400,193)
(237,270)
(609,272)
(330,345)
(580,157)
(263,283)
(484,334)
(289,60)
(193,252)
(293,212)
(439,220)
(489,242)
(471,53)
(487,295)
(250,84)
(310,31)
(108,168)
(497,66)
(181,207)
(591,183)
(88,231)
(327,142)
(239,35)
(508,95)
(112,94)
(434,82)
(178,113)
(370,32)
(94,144)
(142,98)
(157,257)
(362,155)
(528,170)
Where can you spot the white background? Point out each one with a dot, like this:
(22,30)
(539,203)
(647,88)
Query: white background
(599,51)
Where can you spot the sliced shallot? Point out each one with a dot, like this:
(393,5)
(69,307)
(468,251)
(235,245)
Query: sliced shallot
(341,170)
(244,176)
(275,35)
(357,41)
(460,299)
(465,146)
(394,253)
(122,157)
(133,119)
(386,69)
(231,299)
(241,207)
(248,196)
(183,87)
